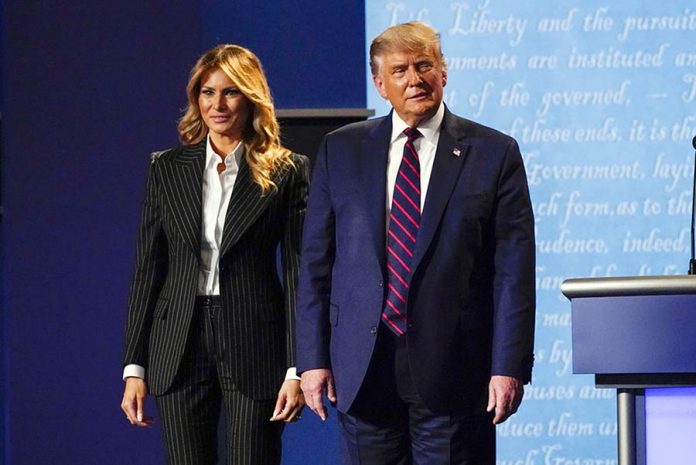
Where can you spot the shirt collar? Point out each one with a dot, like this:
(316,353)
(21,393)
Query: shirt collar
(428,128)
(212,158)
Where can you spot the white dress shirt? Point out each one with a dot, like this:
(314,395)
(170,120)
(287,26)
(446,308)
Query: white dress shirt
(217,191)
(425,147)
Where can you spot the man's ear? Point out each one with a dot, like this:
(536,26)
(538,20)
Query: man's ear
(379,84)
(444,78)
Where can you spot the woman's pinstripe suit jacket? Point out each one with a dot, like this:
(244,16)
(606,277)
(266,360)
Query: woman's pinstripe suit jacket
(258,320)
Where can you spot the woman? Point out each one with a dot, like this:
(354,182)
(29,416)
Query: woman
(210,326)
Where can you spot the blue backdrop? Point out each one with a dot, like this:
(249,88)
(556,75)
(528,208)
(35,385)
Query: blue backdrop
(89,90)
(601,97)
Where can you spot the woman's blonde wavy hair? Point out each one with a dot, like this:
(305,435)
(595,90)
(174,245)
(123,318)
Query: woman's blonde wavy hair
(264,153)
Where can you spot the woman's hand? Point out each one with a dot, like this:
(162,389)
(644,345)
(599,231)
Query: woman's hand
(290,402)
(133,403)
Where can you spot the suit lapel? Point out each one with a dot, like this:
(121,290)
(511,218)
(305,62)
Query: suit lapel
(184,185)
(373,167)
(246,204)
(450,155)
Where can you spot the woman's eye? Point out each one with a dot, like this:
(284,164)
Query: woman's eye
(231,92)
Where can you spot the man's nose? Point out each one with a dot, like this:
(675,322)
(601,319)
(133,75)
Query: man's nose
(413,76)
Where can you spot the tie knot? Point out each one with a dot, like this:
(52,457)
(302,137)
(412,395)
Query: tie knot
(412,134)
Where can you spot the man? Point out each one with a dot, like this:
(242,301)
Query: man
(416,293)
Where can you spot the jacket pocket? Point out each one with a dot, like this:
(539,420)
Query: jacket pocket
(333,315)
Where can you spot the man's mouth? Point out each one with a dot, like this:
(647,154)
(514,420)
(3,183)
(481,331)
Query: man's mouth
(419,96)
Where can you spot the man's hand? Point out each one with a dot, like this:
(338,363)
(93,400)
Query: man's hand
(133,402)
(315,384)
(504,395)
(290,402)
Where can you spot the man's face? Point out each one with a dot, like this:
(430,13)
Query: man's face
(412,82)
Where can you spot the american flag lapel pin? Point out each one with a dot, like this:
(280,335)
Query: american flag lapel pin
(456,152)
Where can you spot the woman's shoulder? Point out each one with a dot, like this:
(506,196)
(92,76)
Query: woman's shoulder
(157,154)
(298,158)
(301,164)
(178,152)
(296,166)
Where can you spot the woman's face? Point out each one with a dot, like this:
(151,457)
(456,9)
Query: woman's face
(224,109)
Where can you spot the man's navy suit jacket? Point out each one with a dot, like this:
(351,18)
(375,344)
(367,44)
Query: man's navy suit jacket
(471,300)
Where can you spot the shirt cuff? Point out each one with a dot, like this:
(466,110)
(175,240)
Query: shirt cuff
(133,371)
(292,374)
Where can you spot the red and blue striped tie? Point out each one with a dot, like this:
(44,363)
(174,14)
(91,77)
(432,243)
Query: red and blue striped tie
(404,221)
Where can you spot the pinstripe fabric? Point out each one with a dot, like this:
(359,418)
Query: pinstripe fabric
(190,409)
(257,324)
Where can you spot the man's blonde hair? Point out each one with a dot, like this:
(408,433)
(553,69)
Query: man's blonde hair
(413,37)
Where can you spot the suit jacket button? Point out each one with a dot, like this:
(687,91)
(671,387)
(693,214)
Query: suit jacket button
(381,284)
(373,330)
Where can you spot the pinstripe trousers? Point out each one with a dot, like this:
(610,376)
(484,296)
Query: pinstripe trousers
(190,410)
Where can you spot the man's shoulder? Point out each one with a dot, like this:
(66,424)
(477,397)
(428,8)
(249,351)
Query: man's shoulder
(478,130)
(357,130)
